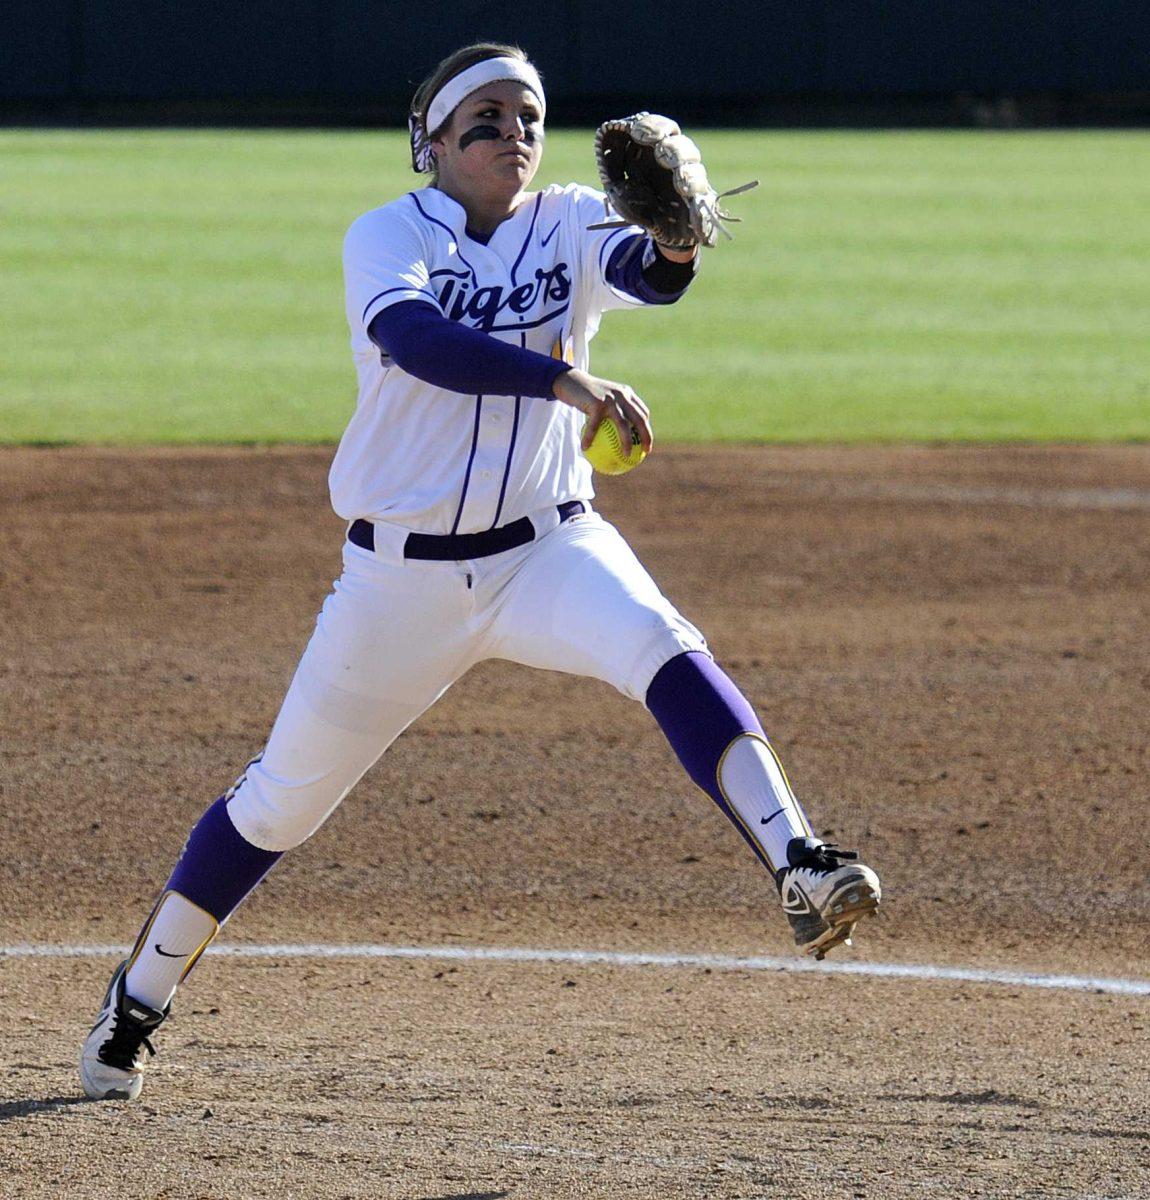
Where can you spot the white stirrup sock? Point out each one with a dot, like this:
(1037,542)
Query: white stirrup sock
(176,934)
(755,786)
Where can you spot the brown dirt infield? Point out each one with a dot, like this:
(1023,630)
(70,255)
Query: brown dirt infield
(949,649)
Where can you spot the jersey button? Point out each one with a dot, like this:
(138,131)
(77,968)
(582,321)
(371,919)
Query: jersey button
(485,475)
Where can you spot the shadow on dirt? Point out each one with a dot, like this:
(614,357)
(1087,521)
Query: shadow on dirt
(10,1110)
(471,1196)
(990,1096)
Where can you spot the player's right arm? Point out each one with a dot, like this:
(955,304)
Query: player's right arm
(420,340)
(394,311)
(392,306)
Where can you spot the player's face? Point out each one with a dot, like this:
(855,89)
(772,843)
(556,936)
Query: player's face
(493,142)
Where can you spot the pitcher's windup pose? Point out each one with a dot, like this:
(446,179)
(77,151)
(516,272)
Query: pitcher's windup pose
(470,529)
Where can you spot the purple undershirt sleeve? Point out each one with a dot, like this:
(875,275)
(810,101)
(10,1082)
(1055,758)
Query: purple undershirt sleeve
(420,340)
(637,268)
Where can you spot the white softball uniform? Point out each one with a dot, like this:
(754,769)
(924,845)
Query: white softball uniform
(396,631)
(438,461)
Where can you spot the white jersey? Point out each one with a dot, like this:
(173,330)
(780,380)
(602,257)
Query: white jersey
(437,461)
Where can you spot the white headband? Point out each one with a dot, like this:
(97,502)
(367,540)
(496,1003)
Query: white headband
(445,101)
(490,70)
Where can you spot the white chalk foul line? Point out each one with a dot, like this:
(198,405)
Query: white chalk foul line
(622,958)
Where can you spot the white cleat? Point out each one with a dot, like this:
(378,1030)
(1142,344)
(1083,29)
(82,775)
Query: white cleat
(824,892)
(111,1064)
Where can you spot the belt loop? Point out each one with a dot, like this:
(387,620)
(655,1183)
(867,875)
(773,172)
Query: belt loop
(361,533)
(572,508)
(383,540)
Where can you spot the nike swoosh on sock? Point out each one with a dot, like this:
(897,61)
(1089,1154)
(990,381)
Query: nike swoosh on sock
(161,950)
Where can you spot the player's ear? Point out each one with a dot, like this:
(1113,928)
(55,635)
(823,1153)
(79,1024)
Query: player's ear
(437,143)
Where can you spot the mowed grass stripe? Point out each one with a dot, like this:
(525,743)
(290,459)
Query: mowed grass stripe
(185,286)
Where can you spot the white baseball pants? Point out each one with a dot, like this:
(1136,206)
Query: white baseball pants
(396,633)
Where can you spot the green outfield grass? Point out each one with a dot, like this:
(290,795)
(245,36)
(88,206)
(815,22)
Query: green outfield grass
(185,286)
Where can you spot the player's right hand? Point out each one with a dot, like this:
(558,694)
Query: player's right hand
(599,399)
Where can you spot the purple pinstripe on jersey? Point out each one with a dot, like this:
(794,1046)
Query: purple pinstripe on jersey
(507,465)
(470,461)
(446,228)
(479,399)
(527,239)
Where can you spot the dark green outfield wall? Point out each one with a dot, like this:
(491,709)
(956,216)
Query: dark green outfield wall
(78,59)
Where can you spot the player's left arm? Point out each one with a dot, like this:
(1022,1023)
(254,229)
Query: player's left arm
(677,255)
(654,179)
(651,273)
(623,266)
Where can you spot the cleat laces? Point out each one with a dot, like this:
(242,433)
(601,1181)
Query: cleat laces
(825,858)
(128,1036)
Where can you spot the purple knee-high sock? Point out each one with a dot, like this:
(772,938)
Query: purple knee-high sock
(218,866)
(701,712)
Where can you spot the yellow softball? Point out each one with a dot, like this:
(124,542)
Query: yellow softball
(606,453)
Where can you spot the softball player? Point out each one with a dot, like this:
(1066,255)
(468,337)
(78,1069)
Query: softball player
(471,534)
